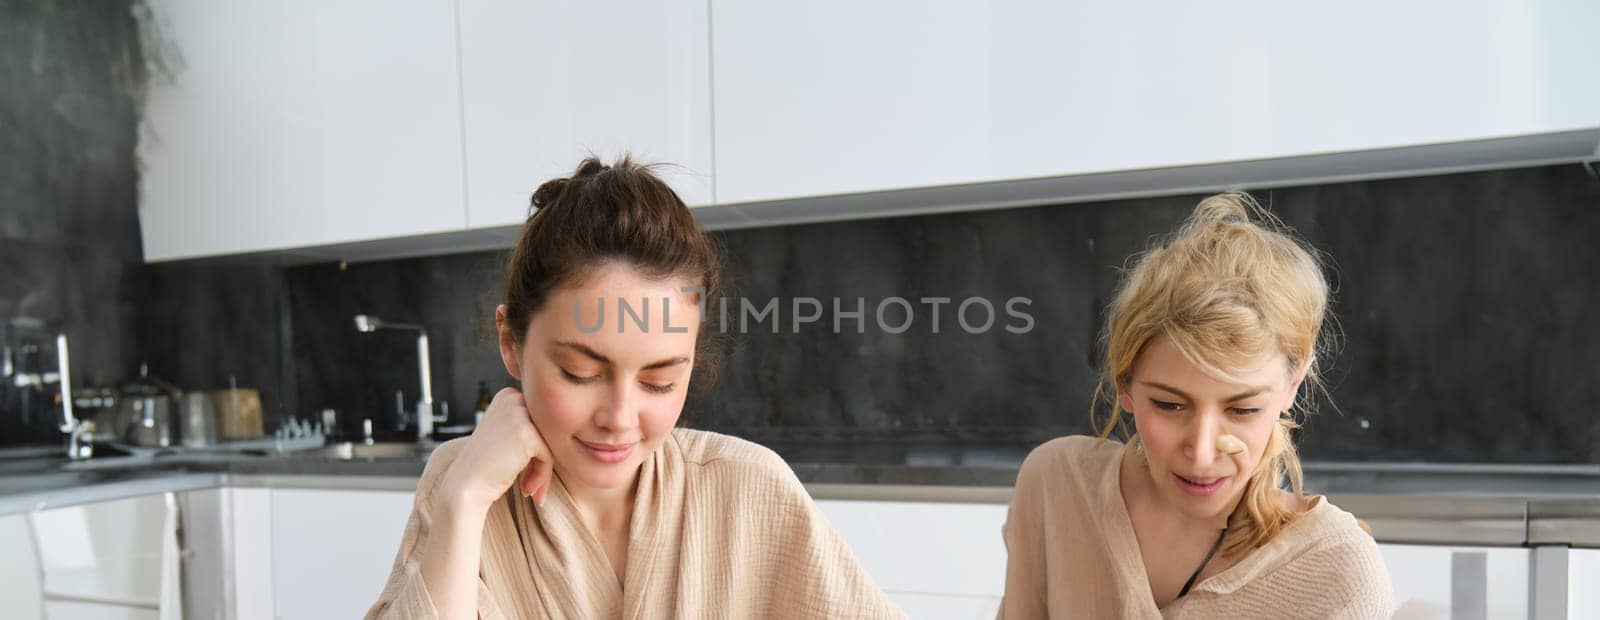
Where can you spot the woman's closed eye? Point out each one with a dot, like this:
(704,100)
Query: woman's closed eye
(652,387)
(578,379)
(658,388)
(1238,411)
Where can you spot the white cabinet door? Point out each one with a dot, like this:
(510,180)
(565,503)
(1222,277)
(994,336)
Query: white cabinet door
(299,123)
(1430,581)
(332,550)
(963,576)
(1081,87)
(248,541)
(19,569)
(107,551)
(832,97)
(74,610)
(546,82)
(1583,583)
(946,607)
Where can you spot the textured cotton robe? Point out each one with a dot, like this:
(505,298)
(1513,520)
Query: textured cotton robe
(721,528)
(1072,553)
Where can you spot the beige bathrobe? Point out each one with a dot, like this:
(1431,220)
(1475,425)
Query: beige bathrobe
(721,529)
(1072,553)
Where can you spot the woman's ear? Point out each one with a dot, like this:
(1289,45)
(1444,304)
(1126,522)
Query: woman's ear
(509,351)
(1124,399)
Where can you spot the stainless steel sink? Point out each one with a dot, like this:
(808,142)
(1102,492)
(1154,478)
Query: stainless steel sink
(352,451)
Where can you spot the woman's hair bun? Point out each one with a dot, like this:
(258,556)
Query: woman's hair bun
(592,166)
(548,193)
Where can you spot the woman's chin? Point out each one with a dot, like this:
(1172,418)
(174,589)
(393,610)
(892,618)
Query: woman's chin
(604,480)
(596,475)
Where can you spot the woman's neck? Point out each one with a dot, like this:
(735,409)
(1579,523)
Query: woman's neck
(603,510)
(608,515)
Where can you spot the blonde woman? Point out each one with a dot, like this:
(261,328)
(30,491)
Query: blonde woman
(1209,341)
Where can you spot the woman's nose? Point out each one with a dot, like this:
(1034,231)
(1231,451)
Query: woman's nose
(1201,445)
(618,412)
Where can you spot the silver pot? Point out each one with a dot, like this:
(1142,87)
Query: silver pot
(148,411)
(199,420)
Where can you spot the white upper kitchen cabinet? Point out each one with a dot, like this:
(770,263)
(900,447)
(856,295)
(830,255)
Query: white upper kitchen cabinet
(546,82)
(298,123)
(832,97)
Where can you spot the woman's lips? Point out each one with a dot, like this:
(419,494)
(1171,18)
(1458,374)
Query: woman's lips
(1201,487)
(608,452)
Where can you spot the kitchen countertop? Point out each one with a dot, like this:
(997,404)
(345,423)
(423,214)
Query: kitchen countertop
(1510,505)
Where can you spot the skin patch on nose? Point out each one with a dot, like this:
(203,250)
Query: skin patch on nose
(1228,444)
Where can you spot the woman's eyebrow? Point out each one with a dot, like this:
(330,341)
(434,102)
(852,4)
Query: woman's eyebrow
(585,350)
(671,361)
(596,356)
(1240,396)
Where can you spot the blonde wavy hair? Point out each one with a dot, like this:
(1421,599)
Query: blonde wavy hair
(1232,284)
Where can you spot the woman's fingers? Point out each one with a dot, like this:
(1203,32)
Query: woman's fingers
(536,475)
(526,482)
(542,472)
(535,480)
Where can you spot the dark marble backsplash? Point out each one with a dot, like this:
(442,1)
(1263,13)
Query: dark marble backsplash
(1461,300)
(357,374)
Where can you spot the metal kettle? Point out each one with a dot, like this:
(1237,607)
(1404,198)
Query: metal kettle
(148,411)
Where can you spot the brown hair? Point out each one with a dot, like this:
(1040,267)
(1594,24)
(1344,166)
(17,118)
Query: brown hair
(624,213)
(1233,283)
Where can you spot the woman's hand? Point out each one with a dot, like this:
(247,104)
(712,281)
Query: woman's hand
(505,449)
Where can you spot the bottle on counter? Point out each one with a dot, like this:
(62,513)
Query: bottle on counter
(482,406)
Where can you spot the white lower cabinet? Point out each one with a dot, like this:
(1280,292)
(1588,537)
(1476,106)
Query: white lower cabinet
(332,550)
(74,610)
(269,554)
(108,559)
(934,560)
(247,541)
(1458,581)
(19,570)
(1583,583)
(919,605)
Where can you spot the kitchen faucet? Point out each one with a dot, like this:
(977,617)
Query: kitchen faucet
(78,430)
(425,418)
